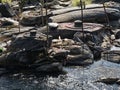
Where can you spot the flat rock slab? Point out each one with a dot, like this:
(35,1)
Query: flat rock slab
(95,15)
(88,27)
(67,30)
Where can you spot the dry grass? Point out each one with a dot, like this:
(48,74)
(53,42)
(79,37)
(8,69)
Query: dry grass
(8,1)
(76,2)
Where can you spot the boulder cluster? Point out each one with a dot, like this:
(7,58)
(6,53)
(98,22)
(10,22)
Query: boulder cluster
(45,36)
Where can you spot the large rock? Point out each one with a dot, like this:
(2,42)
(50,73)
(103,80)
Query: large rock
(51,67)
(93,16)
(6,10)
(8,22)
(32,18)
(25,49)
(67,30)
(99,1)
(112,56)
(71,52)
(113,4)
(29,41)
(117,35)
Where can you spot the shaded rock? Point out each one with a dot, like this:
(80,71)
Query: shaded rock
(117,43)
(61,4)
(31,18)
(79,59)
(59,54)
(94,38)
(99,1)
(8,22)
(113,4)
(71,52)
(108,80)
(118,82)
(92,33)
(96,50)
(28,42)
(117,35)
(6,10)
(51,67)
(113,56)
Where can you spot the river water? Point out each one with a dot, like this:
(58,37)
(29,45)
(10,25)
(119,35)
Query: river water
(73,78)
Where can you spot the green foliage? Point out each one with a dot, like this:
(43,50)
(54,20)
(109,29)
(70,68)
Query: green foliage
(77,2)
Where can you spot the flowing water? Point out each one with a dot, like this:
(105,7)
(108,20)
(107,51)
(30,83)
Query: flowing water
(76,78)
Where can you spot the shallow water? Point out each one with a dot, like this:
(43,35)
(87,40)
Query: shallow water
(76,78)
(115,48)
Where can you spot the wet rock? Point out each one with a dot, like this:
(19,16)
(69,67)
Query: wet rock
(52,67)
(105,71)
(108,80)
(118,82)
(113,56)
(79,59)
(6,10)
(35,82)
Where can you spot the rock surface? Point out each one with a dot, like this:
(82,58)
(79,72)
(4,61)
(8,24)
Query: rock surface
(71,52)
(92,16)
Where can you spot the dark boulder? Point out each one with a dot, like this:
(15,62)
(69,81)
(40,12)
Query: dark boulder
(117,35)
(50,67)
(6,10)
